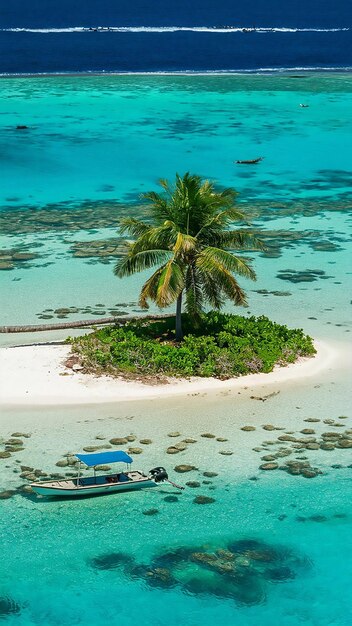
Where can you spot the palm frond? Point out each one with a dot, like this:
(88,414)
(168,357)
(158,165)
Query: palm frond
(218,200)
(170,285)
(211,291)
(164,183)
(132,226)
(238,240)
(149,289)
(231,262)
(155,238)
(159,205)
(133,263)
(194,292)
(184,244)
(222,277)
(218,222)
(228,285)
(231,288)
(154,197)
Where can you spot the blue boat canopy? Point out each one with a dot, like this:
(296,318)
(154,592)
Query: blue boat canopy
(98,458)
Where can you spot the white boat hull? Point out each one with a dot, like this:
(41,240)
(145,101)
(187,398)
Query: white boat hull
(70,488)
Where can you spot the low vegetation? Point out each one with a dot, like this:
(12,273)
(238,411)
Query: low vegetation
(221,346)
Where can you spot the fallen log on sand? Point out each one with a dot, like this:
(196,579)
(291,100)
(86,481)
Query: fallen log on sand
(34,328)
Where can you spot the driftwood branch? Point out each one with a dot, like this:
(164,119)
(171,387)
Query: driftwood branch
(34,328)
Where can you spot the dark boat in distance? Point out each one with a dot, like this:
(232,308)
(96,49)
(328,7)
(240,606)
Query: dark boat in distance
(250,161)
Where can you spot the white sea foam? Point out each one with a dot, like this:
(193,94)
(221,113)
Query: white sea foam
(173,29)
(220,72)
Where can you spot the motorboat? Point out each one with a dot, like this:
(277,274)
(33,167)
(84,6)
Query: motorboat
(127,480)
(250,161)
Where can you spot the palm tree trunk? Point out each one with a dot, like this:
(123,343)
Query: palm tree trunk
(179,333)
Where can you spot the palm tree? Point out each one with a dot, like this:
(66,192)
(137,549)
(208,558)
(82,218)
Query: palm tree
(189,239)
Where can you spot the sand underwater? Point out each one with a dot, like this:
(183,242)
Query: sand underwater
(241,545)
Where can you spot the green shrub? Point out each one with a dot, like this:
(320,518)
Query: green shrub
(222,346)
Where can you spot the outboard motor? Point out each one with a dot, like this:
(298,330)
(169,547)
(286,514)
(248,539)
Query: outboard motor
(159,475)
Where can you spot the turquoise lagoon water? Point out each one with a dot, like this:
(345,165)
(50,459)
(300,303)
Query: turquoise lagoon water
(92,142)
(47,567)
(59,557)
(98,142)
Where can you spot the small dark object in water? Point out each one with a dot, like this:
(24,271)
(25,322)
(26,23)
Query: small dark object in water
(111,561)
(5,495)
(150,512)
(318,518)
(250,161)
(203,500)
(8,607)
(181,469)
(304,106)
(279,574)
(21,127)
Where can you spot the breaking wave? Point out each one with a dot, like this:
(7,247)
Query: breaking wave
(217,72)
(173,29)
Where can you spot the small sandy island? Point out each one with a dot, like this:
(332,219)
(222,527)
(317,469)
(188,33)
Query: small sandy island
(36,375)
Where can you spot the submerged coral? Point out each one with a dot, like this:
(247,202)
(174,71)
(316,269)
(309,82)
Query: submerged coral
(239,570)
(8,607)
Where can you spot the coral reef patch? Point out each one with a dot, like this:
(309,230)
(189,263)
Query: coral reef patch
(240,570)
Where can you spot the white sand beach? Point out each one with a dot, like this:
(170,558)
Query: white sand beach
(36,375)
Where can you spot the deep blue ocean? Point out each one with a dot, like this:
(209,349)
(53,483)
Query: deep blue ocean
(139,36)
